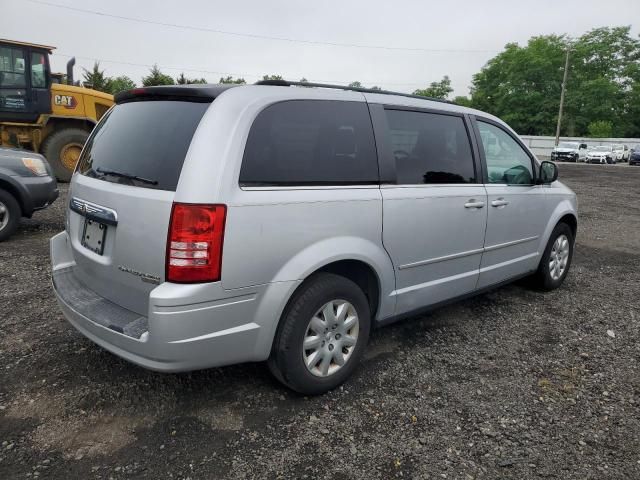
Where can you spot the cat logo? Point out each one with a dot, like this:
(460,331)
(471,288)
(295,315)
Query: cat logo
(66,101)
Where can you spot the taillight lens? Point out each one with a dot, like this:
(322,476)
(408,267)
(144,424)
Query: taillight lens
(194,243)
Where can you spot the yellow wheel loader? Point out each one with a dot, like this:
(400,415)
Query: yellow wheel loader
(39,113)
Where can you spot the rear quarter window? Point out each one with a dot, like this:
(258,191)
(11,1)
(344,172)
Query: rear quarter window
(146,139)
(310,142)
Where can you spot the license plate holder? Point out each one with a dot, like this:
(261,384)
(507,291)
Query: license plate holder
(93,235)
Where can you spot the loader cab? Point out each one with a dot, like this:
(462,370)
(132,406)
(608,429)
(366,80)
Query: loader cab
(25,81)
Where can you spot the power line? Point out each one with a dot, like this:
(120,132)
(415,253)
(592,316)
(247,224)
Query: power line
(257,36)
(235,74)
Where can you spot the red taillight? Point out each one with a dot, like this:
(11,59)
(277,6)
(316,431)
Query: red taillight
(194,243)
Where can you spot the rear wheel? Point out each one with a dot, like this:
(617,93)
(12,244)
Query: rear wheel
(10,214)
(62,150)
(322,335)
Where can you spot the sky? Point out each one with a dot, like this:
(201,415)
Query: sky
(398,45)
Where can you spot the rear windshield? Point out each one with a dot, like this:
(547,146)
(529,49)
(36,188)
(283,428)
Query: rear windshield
(142,143)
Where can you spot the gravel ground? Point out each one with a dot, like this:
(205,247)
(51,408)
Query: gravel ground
(510,384)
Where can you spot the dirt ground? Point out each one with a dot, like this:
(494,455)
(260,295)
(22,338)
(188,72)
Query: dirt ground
(511,384)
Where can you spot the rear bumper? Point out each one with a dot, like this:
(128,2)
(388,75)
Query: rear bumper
(182,331)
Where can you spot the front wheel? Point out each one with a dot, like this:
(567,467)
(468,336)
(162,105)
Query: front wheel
(62,150)
(322,335)
(10,213)
(556,259)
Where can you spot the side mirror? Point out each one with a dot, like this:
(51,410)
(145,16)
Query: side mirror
(548,172)
(583,145)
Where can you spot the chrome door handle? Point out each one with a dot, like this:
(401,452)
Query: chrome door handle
(500,202)
(473,204)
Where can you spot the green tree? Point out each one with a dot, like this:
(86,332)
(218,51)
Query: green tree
(600,129)
(272,77)
(462,100)
(440,89)
(632,115)
(604,62)
(375,87)
(156,77)
(230,79)
(522,84)
(356,84)
(96,79)
(120,84)
(182,80)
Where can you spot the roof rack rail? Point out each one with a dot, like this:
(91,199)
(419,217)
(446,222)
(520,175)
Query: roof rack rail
(286,83)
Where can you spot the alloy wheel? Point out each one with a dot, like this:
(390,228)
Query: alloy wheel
(4,216)
(330,338)
(559,257)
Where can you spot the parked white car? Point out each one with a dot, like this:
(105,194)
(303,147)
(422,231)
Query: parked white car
(570,152)
(622,153)
(601,154)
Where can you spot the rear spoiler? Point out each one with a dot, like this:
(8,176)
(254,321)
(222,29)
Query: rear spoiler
(190,93)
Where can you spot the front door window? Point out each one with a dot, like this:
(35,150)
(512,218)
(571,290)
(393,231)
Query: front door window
(507,162)
(13,80)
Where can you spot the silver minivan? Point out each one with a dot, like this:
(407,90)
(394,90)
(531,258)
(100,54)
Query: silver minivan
(212,225)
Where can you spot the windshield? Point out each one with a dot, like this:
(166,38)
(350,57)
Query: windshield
(142,143)
(617,147)
(602,148)
(568,145)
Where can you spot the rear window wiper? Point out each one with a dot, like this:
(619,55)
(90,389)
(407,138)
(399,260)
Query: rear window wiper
(115,173)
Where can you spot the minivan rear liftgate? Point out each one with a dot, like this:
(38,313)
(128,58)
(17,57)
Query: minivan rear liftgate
(122,195)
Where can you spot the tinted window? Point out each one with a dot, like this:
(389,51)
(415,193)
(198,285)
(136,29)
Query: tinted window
(430,148)
(12,67)
(307,142)
(146,139)
(507,162)
(38,70)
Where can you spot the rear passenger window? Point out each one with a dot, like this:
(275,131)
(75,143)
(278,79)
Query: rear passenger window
(311,142)
(430,148)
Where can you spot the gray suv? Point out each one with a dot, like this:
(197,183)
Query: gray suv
(27,184)
(212,225)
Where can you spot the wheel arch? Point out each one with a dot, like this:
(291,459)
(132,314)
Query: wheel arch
(358,271)
(368,266)
(369,261)
(571,220)
(565,212)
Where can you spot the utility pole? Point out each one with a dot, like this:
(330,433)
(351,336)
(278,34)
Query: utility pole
(564,86)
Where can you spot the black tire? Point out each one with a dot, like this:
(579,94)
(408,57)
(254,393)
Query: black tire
(286,360)
(54,144)
(11,207)
(543,279)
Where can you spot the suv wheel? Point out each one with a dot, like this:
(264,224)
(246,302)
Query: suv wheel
(556,259)
(9,215)
(322,335)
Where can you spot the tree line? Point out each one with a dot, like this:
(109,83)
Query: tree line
(521,84)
